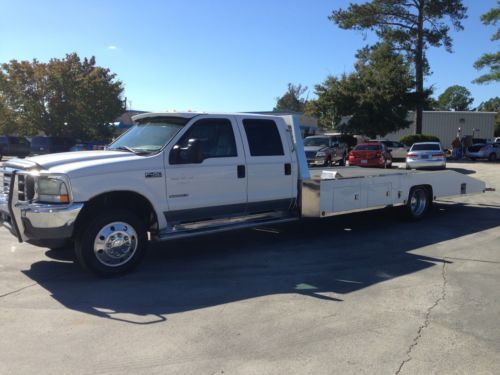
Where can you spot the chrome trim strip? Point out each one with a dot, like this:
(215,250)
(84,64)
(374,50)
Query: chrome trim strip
(11,203)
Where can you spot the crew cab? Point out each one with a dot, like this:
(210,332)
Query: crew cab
(175,175)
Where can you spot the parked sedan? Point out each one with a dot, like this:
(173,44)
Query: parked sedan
(370,155)
(397,149)
(426,155)
(490,151)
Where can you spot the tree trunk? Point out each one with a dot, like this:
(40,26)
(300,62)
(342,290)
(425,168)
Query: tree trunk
(419,68)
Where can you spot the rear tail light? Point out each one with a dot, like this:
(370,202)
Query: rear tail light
(411,155)
(351,154)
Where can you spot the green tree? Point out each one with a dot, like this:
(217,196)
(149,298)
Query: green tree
(455,98)
(62,97)
(490,60)
(292,99)
(376,97)
(412,25)
(492,105)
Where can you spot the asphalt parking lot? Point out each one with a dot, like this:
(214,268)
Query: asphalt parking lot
(358,294)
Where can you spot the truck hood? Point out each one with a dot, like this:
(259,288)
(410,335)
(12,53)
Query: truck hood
(76,163)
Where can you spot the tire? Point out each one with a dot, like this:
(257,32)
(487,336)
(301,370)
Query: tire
(419,202)
(473,159)
(492,157)
(112,243)
(408,168)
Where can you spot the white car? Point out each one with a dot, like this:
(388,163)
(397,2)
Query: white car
(397,149)
(490,151)
(426,155)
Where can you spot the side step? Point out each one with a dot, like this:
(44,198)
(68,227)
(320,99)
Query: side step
(216,226)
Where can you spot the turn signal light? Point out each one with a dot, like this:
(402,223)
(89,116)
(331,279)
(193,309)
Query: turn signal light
(64,198)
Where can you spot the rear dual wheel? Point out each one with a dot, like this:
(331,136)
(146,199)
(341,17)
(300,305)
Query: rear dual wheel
(419,203)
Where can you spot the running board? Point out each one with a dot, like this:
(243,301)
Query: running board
(199,229)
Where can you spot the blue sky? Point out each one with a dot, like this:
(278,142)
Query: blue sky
(218,55)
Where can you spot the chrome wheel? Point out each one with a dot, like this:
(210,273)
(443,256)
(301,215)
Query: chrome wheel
(115,244)
(418,202)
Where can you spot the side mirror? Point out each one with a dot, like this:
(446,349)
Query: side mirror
(195,151)
(191,154)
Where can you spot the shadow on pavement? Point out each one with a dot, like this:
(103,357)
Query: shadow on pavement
(314,258)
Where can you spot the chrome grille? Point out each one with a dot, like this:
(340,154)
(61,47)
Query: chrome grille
(6,177)
(25,184)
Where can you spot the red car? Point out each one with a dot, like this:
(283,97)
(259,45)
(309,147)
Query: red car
(370,155)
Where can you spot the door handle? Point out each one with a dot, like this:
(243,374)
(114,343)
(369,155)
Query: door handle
(288,169)
(241,171)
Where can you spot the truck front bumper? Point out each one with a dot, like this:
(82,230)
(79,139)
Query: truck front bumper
(38,222)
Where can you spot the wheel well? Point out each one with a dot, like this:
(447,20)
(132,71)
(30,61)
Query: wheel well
(125,200)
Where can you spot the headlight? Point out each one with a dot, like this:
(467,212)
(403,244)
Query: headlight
(52,190)
(320,154)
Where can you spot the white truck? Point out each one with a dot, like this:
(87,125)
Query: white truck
(176,175)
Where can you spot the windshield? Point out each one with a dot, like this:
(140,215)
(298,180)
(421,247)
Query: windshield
(316,141)
(426,147)
(150,136)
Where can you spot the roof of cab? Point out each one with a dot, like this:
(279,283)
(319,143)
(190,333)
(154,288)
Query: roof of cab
(190,115)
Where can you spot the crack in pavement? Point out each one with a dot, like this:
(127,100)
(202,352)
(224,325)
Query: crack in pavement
(17,290)
(35,284)
(474,260)
(426,321)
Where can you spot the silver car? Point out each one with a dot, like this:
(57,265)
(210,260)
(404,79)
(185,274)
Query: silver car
(397,149)
(490,151)
(426,155)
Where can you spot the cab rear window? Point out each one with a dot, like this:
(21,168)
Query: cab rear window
(426,147)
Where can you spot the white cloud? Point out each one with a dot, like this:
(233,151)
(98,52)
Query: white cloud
(113,48)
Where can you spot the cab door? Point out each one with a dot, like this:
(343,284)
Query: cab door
(205,172)
(272,173)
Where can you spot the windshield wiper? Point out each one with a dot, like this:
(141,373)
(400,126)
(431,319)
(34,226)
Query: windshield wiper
(130,149)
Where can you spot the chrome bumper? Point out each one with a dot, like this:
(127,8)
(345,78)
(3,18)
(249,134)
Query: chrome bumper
(36,221)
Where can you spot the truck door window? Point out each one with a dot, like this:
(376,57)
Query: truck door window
(263,137)
(216,137)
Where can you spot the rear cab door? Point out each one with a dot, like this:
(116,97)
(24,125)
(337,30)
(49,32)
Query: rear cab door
(271,167)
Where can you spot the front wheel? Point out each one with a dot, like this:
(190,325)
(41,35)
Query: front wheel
(112,243)
(418,203)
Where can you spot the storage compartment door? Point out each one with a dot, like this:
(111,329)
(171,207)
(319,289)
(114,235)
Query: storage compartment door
(379,194)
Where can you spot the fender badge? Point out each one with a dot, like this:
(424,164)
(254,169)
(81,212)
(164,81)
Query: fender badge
(153,174)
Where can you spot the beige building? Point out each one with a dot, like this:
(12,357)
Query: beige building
(446,125)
